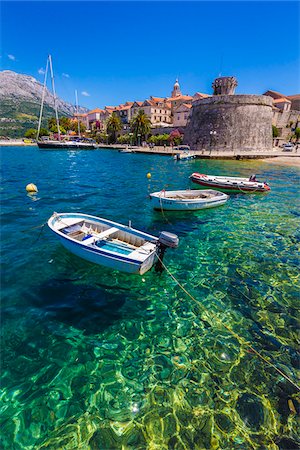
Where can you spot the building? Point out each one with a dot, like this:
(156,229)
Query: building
(124,112)
(181,114)
(83,118)
(158,110)
(286,115)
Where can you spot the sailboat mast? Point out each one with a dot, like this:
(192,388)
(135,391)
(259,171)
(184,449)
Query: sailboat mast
(76,97)
(42,104)
(54,95)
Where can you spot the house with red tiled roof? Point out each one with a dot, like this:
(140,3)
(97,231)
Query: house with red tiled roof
(158,109)
(83,118)
(282,103)
(286,114)
(199,96)
(275,95)
(181,114)
(124,111)
(295,99)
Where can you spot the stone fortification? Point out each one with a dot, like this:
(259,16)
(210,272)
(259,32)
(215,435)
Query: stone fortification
(224,85)
(231,122)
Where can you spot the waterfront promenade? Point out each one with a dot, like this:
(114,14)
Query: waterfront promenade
(216,154)
(275,155)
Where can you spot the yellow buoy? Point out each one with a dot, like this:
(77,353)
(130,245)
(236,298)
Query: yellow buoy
(148,175)
(31,187)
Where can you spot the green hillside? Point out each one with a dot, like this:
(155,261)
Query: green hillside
(17,117)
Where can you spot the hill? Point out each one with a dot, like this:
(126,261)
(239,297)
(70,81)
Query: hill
(20,101)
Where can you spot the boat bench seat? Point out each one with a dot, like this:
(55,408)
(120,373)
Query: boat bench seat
(106,233)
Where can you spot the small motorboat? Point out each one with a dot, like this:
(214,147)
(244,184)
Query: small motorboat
(126,150)
(230,184)
(110,244)
(183,153)
(187,200)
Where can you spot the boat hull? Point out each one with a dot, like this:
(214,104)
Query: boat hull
(161,202)
(230,187)
(108,260)
(66,146)
(98,250)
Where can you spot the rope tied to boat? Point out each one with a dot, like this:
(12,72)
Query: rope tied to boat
(240,339)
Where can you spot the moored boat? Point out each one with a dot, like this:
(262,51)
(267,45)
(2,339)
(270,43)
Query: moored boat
(183,152)
(187,200)
(75,144)
(108,243)
(230,184)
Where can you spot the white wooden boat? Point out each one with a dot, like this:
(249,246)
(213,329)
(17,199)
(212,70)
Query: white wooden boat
(108,243)
(230,184)
(187,200)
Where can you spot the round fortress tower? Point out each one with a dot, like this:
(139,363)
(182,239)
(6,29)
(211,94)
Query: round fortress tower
(229,122)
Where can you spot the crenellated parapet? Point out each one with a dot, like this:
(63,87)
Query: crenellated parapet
(224,85)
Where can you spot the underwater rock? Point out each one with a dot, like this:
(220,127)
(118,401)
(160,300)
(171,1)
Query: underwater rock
(251,411)
(224,423)
(162,367)
(104,439)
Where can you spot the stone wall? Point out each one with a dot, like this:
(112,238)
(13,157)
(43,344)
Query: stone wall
(231,122)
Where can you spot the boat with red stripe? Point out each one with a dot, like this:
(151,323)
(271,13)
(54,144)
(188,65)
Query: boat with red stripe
(230,184)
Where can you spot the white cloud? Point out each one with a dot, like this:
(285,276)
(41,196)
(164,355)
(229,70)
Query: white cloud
(66,75)
(85,94)
(11,57)
(41,71)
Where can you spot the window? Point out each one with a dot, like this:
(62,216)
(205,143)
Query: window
(178,117)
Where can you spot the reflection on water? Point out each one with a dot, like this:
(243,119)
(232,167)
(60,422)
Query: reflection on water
(97,359)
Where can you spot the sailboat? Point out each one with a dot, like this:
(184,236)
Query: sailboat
(74,143)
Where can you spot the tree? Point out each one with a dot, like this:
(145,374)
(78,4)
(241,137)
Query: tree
(74,126)
(275,131)
(297,133)
(31,133)
(44,132)
(53,129)
(124,139)
(175,137)
(140,126)
(113,125)
(159,139)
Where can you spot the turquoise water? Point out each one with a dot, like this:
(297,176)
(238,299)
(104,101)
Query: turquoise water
(97,359)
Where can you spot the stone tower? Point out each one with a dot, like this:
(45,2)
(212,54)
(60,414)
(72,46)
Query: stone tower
(176,89)
(224,85)
(231,123)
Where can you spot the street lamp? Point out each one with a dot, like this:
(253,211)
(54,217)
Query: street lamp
(131,134)
(212,135)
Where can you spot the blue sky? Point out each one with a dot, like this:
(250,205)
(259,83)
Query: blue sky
(119,51)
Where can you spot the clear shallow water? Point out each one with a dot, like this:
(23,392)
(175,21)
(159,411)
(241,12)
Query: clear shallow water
(97,359)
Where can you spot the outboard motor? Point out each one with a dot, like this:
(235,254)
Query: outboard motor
(165,240)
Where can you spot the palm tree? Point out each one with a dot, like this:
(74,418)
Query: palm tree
(113,125)
(140,125)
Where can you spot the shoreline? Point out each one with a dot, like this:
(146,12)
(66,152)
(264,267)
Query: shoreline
(272,157)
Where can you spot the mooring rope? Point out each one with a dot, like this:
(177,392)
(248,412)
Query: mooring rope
(241,340)
(162,210)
